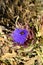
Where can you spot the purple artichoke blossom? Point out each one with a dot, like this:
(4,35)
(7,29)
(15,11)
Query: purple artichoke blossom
(19,36)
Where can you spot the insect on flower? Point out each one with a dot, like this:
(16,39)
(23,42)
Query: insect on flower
(19,35)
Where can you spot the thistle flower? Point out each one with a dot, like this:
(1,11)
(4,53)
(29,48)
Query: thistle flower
(19,35)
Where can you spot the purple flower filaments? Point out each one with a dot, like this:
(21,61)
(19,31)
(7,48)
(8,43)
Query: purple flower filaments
(19,35)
